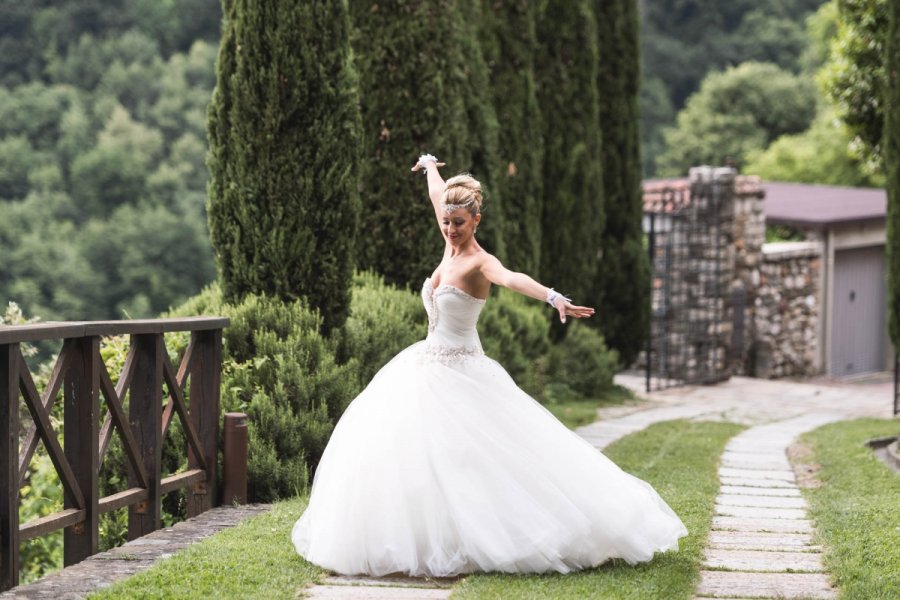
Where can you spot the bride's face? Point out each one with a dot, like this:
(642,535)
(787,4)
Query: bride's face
(459,226)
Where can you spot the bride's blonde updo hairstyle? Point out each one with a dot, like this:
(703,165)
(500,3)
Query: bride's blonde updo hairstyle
(462,191)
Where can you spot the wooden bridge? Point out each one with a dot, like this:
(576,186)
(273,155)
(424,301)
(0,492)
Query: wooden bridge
(80,373)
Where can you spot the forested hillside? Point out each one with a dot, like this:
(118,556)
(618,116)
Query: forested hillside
(102,154)
(682,41)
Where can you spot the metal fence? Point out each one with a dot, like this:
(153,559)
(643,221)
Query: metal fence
(686,247)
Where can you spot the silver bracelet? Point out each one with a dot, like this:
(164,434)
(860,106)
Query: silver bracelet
(553,296)
(423,162)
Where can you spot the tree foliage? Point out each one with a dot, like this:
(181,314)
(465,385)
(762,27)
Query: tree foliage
(735,113)
(423,88)
(283,136)
(682,41)
(821,154)
(509,43)
(854,77)
(622,283)
(567,72)
(892,168)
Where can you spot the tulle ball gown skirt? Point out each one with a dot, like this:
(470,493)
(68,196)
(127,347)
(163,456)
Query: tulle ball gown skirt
(443,466)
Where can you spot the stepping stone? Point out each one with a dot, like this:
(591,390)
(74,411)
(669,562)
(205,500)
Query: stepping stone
(374,592)
(745,524)
(760,501)
(757,482)
(763,561)
(754,512)
(747,490)
(398,581)
(774,542)
(776,474)
(755,464)
(726,584)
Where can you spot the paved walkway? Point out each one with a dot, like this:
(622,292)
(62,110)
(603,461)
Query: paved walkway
(103,569)
(761,544)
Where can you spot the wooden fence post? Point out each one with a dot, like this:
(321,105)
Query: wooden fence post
(81,427)
(205,377)
(9,466)
(145,414)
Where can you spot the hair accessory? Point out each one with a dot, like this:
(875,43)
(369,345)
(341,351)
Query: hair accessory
(449,208)
(553,296)
(423,162)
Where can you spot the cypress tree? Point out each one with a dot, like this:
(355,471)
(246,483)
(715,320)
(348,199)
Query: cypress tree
(622,285)
(423,88)
(892,168)
(509,43)
(283,134)
(566,72)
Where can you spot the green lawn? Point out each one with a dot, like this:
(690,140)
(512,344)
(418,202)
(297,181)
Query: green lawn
(679,459)
(253,560)
(857,509)
(256,559)
(575,413)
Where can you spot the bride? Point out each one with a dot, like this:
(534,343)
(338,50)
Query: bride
(442,465)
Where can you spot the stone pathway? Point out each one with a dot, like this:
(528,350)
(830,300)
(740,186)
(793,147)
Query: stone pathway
(761,543)
(104,569)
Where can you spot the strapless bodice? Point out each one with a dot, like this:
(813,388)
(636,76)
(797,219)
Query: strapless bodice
(452,316)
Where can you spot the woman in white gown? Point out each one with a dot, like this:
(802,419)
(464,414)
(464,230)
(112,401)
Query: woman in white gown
(443,466)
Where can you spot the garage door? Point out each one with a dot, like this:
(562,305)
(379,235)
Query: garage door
(859,313)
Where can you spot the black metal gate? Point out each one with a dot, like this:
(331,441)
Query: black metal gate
(897,382)
(686,246)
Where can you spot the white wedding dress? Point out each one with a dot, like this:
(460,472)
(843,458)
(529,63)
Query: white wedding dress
(442,466)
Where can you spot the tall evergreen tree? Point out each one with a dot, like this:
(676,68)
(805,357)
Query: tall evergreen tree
(423,88)
(892,168)
(509,43)
(283,135)
(622,285)
(566,72)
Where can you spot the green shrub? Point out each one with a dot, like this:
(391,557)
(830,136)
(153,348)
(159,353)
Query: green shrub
(383,321)
(514,332)
(280,371)
(582,362)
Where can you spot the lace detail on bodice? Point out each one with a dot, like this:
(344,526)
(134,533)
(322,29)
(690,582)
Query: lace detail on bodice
(452,336)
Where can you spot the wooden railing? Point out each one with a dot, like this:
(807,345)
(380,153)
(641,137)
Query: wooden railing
(80,373)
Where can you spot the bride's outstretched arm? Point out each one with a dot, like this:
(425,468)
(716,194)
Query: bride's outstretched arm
(497,274)
(435,181)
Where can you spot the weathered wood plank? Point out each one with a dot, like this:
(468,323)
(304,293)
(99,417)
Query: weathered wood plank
(41,419)
(80,421)
(9,463)
(38,527)
(121,499)
(180,480)
(145,412)
(50,330)
(29,444)
(205,374)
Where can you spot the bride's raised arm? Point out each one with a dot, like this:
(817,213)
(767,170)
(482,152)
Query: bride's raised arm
(496,273)
(436,183)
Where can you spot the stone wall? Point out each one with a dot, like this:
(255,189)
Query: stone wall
(786,311)
(728,303)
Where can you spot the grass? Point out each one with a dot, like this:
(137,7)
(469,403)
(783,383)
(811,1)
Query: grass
(252,560)
(679,458)
(256,559)
(857,508)
(577,412)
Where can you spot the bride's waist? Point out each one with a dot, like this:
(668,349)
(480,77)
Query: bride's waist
(467,342)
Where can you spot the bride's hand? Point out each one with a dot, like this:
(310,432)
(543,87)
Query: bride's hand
(566,308)
(418,167)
